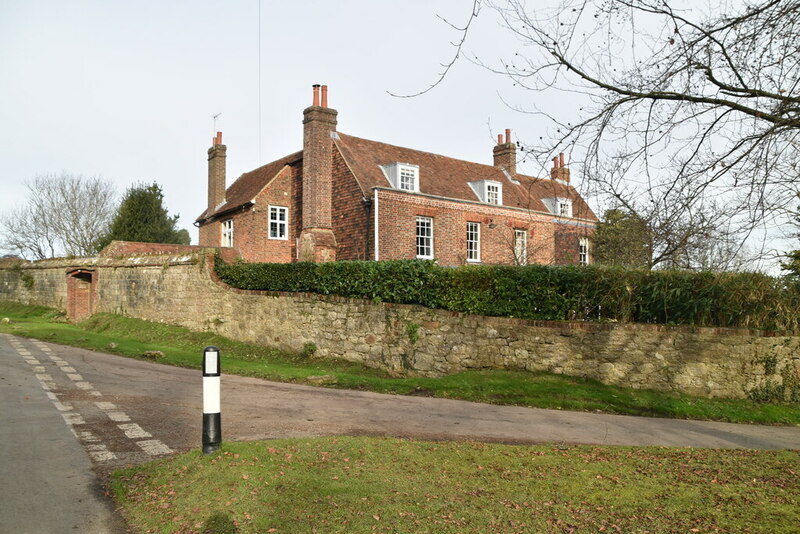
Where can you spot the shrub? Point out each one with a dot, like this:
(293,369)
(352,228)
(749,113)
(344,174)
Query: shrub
(583,293)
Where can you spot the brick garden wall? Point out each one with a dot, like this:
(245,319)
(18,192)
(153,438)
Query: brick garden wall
(403,339)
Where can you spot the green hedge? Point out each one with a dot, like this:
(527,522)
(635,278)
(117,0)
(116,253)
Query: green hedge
(590,293)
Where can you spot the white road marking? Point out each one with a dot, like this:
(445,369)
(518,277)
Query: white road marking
(154,447)
(97,450)
(134,431)
(73,418)
(85,435)
(100,453)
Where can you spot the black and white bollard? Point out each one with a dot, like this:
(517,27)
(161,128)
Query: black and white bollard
(212,425)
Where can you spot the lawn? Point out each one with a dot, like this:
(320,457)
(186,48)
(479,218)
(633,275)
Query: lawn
(348,484)
(183,347)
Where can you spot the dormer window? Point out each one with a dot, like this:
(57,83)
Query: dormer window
(494,193)
(559,206)
(403,176)
(488,191)
(565,207)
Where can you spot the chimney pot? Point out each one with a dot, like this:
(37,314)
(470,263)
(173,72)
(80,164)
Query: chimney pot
(508,135)
(499,139)
(555,162)
(561,159)
(315,101)
(324,96)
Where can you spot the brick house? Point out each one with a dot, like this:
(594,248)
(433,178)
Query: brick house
(347,198)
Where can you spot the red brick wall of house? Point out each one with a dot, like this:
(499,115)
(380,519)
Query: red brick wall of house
(397,214)
(567,238)
(251,228)
(352,217)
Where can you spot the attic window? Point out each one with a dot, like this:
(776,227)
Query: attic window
(488,191)
(494,193)
(403,176)
(559,206)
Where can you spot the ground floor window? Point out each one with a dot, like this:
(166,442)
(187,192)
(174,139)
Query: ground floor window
(425,238)
(521,247)
(583,251)
(473,241)
(278,222)
(227,233)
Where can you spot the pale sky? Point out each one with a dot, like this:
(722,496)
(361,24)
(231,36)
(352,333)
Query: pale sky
(127,90)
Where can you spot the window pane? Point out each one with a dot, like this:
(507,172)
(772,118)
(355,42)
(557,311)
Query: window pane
(424,237)
(473,241)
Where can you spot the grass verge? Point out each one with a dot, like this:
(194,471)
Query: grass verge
(398,486)
(182,347)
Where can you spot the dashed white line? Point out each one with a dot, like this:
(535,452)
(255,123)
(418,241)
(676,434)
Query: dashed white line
(87,436)
(97,450)
(154,447)
(63,406)
(73,418)
(100,453)
(134,431)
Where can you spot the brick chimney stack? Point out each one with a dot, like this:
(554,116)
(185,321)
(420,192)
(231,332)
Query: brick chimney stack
(559,170)
(317,241)
(505,154)
(216,173)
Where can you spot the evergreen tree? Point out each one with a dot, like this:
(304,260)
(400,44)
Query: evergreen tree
(792,265)
(622,238)
(142,217)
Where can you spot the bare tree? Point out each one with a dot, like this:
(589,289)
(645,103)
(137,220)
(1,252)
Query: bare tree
(63,214)
(684,117)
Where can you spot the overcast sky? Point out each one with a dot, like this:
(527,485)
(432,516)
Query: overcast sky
(127,90)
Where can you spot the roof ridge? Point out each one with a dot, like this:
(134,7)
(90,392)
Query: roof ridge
(488,166)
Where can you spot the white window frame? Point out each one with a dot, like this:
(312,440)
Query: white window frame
(521,246)
(281,226)
(424,240)
(403,176)
(473,242)
(227,233)
(407,178)
(583,251)
(493,193)
(564,207)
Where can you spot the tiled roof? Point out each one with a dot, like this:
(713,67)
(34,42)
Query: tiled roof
(438,175)
(247,186)
(448,177)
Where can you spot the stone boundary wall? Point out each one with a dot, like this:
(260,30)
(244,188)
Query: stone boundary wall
(182,289)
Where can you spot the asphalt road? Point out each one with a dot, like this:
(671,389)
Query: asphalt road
(124,411)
